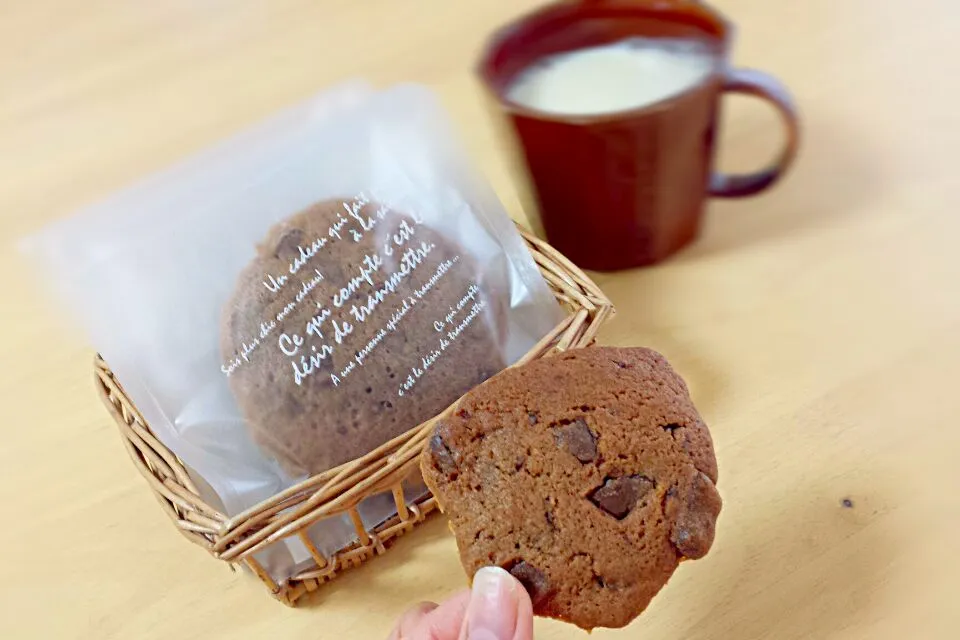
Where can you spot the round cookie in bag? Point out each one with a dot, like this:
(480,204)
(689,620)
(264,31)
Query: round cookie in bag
(352,325)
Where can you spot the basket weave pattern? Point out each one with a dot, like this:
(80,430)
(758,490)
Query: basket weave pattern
(337,491)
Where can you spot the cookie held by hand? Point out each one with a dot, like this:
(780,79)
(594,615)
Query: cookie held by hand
(589,476)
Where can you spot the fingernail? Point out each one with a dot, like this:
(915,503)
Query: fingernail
(492,612)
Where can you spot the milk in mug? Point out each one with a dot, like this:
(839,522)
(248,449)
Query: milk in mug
(624,75)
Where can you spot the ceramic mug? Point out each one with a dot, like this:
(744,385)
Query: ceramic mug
(628,188)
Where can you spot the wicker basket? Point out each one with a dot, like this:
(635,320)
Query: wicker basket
(337,491)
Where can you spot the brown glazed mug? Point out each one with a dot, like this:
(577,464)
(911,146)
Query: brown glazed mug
(628,188)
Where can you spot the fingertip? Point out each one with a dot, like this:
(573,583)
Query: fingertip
(410,619)
(524,615)
(444,622)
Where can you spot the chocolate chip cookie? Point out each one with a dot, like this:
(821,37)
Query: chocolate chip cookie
(589,476)
(352,325)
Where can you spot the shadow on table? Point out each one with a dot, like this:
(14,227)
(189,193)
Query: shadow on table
(804,566)
(837,173)
(801,566)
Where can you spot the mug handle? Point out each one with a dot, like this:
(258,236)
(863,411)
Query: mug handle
(761,85)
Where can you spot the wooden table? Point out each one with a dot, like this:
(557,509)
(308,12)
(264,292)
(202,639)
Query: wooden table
(818,325)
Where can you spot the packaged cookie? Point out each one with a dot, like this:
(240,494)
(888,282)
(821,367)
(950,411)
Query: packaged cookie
(302,293)
(383,333)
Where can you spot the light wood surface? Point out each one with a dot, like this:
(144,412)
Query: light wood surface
(818,325)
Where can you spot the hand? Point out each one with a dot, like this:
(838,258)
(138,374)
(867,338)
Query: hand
(497,608)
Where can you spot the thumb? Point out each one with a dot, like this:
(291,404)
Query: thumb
(499,608)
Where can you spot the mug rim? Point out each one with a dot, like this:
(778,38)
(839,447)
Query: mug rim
(495,41)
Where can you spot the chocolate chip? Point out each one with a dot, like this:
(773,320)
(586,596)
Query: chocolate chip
(577,438)
(694,512)
(519,462)
(443,457)
(532,418)
(618,496)
(549,503)
(289,245)
(671,429)
(532,579)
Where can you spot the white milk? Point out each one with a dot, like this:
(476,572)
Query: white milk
(614,77)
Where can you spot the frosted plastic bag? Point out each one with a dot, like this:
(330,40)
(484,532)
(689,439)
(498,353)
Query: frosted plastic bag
(301,293)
